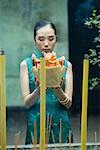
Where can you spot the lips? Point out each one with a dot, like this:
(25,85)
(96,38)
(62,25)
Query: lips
(46,50)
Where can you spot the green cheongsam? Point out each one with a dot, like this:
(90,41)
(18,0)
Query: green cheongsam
(54,110)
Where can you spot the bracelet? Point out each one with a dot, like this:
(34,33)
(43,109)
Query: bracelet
(63,102)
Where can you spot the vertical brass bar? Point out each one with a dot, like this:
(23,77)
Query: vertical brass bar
(84,102)
(42,103)
(2,100)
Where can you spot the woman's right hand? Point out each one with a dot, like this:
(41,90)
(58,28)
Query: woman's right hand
(36,81)
(29,98)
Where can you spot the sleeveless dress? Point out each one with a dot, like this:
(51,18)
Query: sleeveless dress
(54,111)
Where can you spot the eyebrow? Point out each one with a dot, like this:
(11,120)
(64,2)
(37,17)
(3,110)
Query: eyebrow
(51,36)
(48,35)
(41,36)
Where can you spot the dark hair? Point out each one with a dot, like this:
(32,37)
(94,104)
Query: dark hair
(41,24)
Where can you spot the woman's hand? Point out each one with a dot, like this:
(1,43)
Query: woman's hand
(63,97)
(29,98)
(36,81)
(67,102)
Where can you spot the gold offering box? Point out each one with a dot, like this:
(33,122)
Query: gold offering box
(54,75)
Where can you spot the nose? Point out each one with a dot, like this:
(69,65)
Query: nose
(46,43)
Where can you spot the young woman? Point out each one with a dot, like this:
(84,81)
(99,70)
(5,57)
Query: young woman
(57,99)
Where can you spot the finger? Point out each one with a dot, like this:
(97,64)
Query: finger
(68,105)
(68,101)
(37,83)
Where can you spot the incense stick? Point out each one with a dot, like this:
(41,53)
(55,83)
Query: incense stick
(32,140)
(50,123)
(60,135)
(95,139)
(53,138)
(17,140)
(35,135)
(47,131)
(47,128)
(69,139)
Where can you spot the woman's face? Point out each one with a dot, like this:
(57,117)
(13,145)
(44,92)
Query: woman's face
(45,38)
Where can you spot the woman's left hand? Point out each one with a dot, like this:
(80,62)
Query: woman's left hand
(63,98)
(66,102)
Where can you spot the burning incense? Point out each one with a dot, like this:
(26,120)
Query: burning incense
(32,140)
(47,129)
(60,135)
(17,139)
(49,126)
(84,103)
(35,136)
(70,140)
(53,138)
(42,102)
(50,123)
(95,139)
(2,100)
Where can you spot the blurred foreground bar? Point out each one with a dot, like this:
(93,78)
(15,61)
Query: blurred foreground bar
(2,100)
(74,146)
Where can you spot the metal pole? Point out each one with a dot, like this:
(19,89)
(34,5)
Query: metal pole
(84,102)
(2,100)
(42,102)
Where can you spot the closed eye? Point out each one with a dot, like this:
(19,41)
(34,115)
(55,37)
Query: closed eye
(41,38)
(51,38)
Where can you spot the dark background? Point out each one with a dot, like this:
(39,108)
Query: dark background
(80,40)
